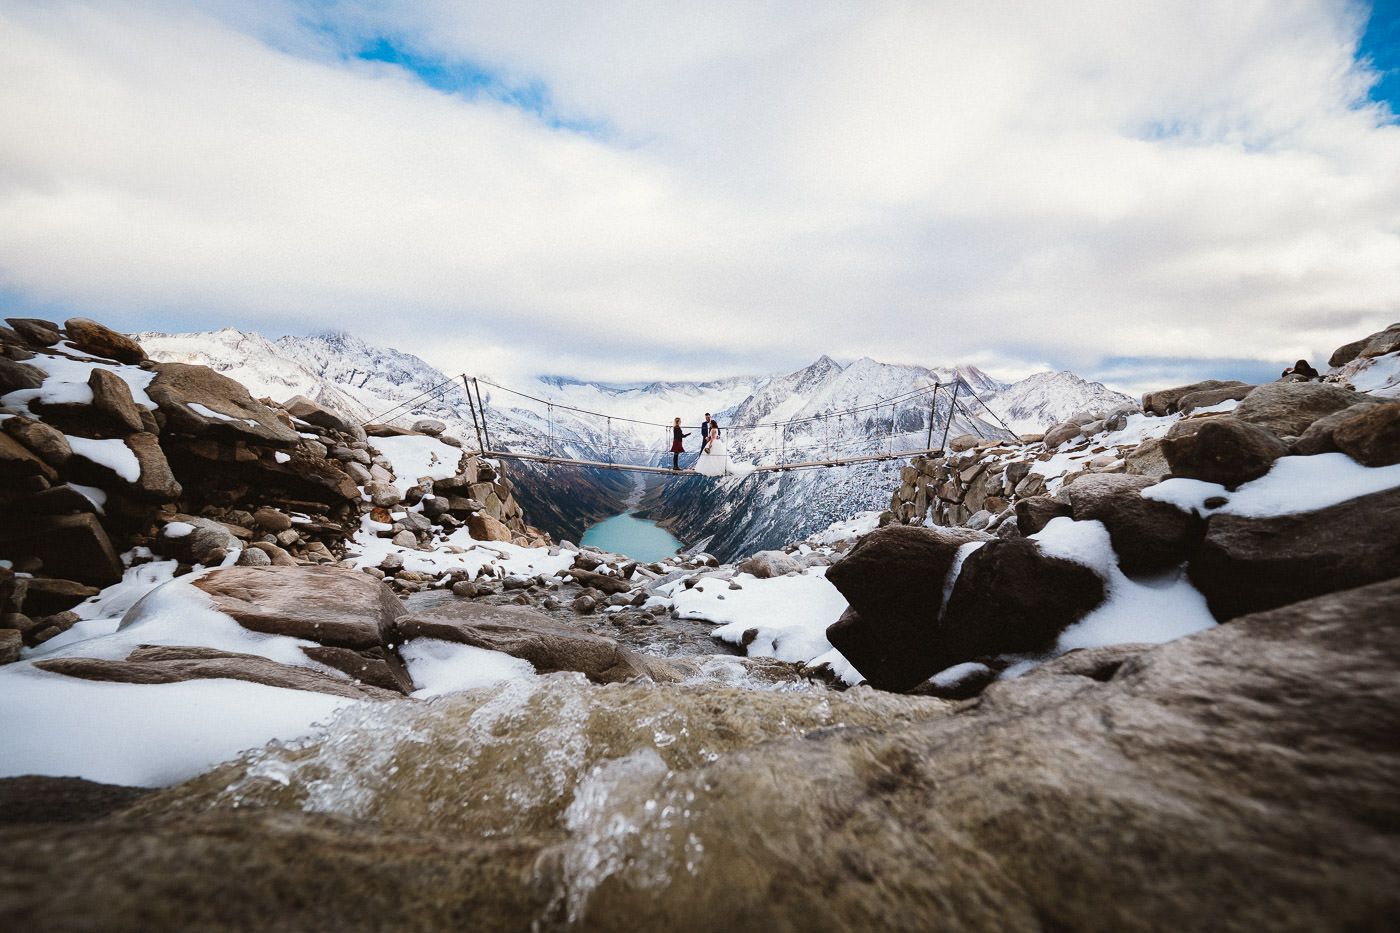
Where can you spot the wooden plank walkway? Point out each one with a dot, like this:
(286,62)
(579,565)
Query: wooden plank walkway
(772,468)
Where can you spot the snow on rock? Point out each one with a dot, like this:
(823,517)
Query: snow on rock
(789,615)
(111,453)
(415,456)
(1153,611)
(858,524)
(1293,484)
(67,382)
(441,667)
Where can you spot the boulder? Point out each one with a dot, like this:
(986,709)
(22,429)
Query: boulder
(1287,409)
(98,340)
(197,543)
(1166,401)
(111,397)
(767,564)
(1148,536)
(1221,450)
(196,400)
(254,557)
(1035,512)
(299,406)
(329,605)
(1318,439)
(896,573)
(1381,343)
(74,547)
(1371,436)
(156,483)
(164,664)
(1253,564)
(15,376)
(483,527)
(429,426)
(1146,459)
(37,331)
(530,634)
(369,666)
(273,520)
(46,596)
(57,500)
(18,462)
(606,583)
(1010,598)
(384,495)
(1057,435)
(1205,398)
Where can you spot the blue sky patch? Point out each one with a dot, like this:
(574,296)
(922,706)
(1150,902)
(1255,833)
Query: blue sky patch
(1380,45)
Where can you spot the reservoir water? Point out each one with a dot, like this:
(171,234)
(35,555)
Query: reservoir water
(627,534)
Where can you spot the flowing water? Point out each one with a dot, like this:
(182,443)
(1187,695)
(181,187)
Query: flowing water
(636,537)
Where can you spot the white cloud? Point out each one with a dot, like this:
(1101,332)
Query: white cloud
(913,182)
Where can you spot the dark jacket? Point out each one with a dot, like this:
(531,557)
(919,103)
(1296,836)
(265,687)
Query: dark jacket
(677,445)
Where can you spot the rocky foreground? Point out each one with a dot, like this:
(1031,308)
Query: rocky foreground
(1139,672)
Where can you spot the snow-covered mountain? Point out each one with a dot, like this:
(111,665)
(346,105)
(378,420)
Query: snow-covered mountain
(1043,399)
(798,416)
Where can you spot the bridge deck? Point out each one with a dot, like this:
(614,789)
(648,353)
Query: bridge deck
(771,468)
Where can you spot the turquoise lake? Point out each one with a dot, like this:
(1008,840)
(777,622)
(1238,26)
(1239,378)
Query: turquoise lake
(638,538)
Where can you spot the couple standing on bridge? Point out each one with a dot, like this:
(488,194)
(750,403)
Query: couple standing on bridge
(714,457)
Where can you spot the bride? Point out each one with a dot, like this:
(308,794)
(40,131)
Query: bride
(714,460)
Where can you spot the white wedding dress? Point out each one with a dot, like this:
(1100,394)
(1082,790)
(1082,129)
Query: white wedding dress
(714,463)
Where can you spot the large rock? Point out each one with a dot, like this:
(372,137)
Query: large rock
(1287,409)
(1253,564)
(1147,459)
(1060,433)
(1319,439)
(15,376)
(531,635)
(37,331)
(896,573)
(11,641)
(74,547)
(92,337)
(1381,343)
(111,397)
(766,564)
(1221,450)
(299,406)
(1035,512)
(175,664)
(156,483)
(1010,598)
(196,400)
(18,462)
(607,583)
(1167,401)
(1148,536)
(893,579)
(1205,398)
(483,527)
(326,604)
(1372,436)
(45,596)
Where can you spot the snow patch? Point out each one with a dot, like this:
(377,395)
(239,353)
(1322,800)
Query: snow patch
(441,667)
(111,453)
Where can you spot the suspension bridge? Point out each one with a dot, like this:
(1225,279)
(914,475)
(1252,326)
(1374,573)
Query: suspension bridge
(818,441)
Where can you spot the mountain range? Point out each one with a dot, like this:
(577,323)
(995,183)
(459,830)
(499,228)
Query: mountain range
(825,410)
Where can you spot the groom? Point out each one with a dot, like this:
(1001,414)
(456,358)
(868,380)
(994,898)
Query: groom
(705,431)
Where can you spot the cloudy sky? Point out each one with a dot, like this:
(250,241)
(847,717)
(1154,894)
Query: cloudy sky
(1142,192)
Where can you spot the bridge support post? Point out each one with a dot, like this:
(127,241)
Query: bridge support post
(952,407)
(466,384)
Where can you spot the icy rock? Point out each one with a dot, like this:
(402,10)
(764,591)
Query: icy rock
(186,392)
(1148,536)
(1035,512)
(1205,398)
(405,539)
